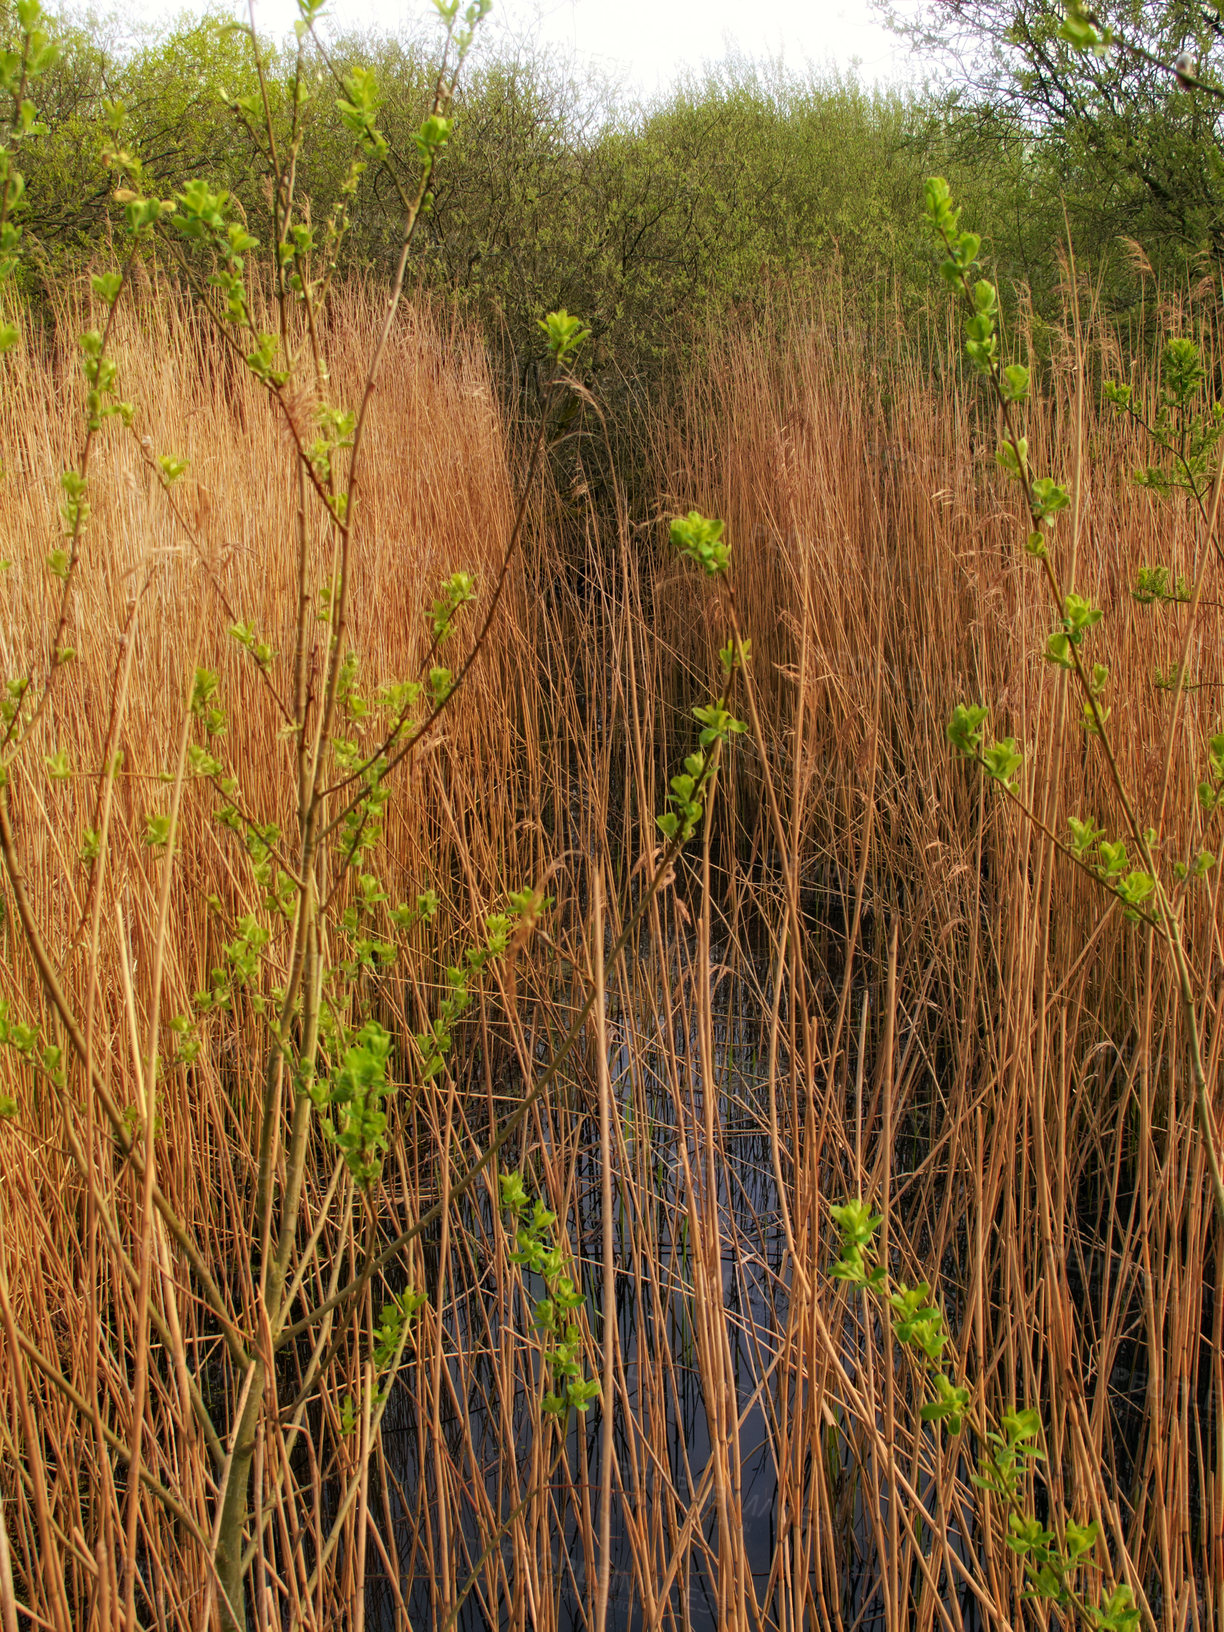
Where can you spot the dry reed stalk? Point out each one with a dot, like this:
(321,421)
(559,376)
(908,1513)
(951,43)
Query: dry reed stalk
(891,513)
(862,976)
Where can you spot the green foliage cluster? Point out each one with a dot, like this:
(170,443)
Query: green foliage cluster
(558,189)
(916,1321)
(1099,117)
(1185,426)
(501,928)
(646,216)
(1052,1558)
(538,1248)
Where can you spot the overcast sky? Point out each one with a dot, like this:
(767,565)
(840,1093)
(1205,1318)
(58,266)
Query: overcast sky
(649,42)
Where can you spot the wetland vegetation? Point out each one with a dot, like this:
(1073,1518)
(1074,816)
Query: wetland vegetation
(610,966)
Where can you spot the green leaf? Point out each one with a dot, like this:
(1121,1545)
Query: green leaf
(1183,371)
(1080,1539)
(1002,760)
(458,591)
(1058,650)
(432,136)
(949,1405)
(1080,28)
(1118,1614)
(1015,382)
(1022,1425)
(856,1221)
(565,333)
(1027,1535)
(1079,616)
(1136,887)
(1047,498)
(513,1192)
(157,830)
(359,107)
(1113,857)
(107,286)
(1012,456)
(1084,835)
(965,728)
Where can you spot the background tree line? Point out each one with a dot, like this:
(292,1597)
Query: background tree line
(651,217)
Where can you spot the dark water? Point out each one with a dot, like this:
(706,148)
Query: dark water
(652,1322)
(655,1328)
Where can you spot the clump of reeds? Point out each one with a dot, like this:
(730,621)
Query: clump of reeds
(859,978)
(1026,1121)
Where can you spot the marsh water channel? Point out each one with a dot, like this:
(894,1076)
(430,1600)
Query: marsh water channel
(496,1521)
(662,1384)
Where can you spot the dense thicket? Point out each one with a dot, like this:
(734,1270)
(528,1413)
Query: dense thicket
(652,218)
(1117,139)
(557,189)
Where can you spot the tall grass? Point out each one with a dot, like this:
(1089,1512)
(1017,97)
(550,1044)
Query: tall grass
(1032,1131)
(862,978)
